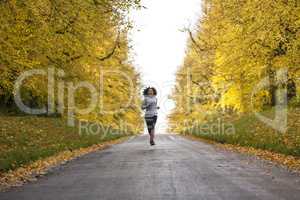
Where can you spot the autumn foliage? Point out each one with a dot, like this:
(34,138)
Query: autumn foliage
(79,38)
(236,46)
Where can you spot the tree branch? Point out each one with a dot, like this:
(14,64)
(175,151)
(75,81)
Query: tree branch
(194,41)
(111,53)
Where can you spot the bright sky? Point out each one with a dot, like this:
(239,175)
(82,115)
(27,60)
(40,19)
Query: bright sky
(159,45)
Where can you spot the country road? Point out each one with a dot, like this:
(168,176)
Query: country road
(176,168)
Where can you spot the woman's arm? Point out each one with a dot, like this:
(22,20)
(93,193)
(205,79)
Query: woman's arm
(144,104)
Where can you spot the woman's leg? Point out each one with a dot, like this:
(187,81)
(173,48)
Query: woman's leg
(153,129)
(150,131)
(152,135)
(149,127)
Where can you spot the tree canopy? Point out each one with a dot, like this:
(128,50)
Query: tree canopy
(235,46)
(82,38)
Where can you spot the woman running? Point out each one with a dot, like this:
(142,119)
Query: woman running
(150,105)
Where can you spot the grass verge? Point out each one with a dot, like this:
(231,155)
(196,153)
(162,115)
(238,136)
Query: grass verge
(250,132)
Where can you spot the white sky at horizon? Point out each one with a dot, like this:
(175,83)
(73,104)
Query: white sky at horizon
(159,45)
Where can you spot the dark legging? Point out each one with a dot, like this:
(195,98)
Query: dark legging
(151,121)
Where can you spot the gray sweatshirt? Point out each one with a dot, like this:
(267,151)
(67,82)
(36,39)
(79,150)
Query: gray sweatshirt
(150,105)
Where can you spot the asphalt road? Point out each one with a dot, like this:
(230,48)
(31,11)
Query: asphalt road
(176,168)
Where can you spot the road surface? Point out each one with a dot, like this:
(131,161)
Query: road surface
(176,168)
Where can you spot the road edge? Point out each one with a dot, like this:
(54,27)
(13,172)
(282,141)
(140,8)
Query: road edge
(31,172)
(291,163)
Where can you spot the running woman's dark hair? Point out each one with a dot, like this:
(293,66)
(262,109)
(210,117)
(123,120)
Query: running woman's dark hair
(145,92)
